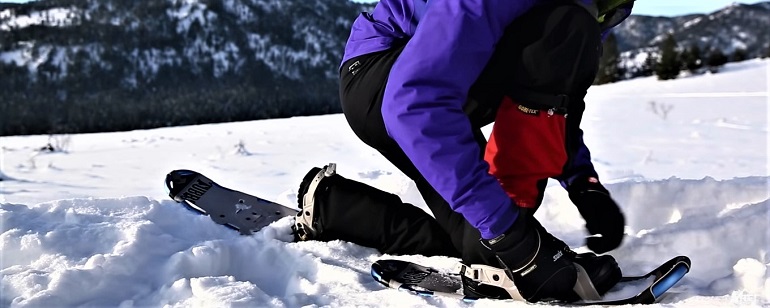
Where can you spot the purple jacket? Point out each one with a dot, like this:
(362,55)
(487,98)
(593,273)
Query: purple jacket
(423,102)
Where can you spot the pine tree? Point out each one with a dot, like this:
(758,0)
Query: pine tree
(648,67)
(609,64)
(715,60)
(692,58)
(739,55)
(669,65)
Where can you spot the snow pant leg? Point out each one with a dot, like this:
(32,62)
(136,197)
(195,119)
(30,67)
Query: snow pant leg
(362,84)
(358,213)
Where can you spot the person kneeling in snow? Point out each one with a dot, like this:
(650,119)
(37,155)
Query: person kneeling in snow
(418,81)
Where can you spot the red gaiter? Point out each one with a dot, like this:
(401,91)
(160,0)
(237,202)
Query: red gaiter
(526,146)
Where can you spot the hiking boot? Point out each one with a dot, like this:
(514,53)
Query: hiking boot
(603,270)
(307,225)
(596,275)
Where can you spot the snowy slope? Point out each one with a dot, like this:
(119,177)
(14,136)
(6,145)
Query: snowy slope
(92,226)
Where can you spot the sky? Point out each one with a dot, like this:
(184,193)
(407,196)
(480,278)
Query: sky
(681,7)
(648,7)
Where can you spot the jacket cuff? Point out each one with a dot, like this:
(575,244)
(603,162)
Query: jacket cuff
(566,182)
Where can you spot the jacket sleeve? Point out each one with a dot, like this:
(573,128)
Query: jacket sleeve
(422,105)
(581,166)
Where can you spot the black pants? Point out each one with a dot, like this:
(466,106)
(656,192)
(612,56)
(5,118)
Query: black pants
(551,49)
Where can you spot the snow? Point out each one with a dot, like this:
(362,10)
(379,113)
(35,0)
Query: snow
(692,22)
(27,56)
(15,56)
(58,17)
(91,224)
(150,61)
(188,12)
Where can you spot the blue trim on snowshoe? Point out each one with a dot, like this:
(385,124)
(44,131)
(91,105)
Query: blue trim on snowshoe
(669,280)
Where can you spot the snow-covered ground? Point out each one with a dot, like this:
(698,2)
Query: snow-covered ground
(92,226)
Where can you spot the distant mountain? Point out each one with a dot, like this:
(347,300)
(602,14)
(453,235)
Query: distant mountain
(124,64)
(102,65)
(738,26)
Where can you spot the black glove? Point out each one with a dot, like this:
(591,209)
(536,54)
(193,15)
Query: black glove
(602,214)
(539,264)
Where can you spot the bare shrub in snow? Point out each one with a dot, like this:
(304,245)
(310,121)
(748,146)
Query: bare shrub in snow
(661,110)
(57,143)
(240,149)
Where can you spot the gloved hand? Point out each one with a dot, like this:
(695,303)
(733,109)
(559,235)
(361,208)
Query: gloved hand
(602,215)
(540,265)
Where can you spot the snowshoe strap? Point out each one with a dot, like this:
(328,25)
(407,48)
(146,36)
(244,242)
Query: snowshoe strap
(489,275)
(303,224)
(584,287)
(493,276)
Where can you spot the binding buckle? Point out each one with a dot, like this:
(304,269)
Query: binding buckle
(489,275)
(303,228)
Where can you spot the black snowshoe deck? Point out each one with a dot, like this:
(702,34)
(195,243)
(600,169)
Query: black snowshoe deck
(426,281)
(237,210)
